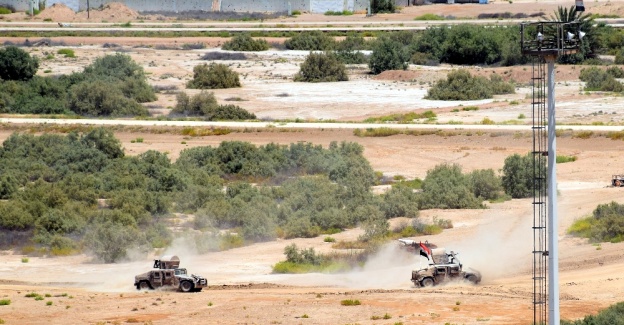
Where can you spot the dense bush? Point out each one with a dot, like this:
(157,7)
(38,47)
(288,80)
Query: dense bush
(17,64)
(598,79)
(245,42)
(388,54)
(470,44)
(619,56)
(485,184)
(112,85)
(311,41)
(383,6)
(321,67)
(205,104)
(461,85)
(614,315)
(445,187)
(99,98)
(518,175)
(213,76)
(400,201)
(606,224)
(349,50)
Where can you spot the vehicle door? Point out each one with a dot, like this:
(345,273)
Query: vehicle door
(156,279)
(168,278)
(454,271)
(440,274)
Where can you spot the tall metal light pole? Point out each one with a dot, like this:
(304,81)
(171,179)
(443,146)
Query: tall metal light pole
(544,42)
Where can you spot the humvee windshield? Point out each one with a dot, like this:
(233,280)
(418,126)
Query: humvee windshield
(180,271)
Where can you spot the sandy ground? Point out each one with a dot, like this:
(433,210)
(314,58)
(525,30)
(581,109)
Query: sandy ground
(497,241)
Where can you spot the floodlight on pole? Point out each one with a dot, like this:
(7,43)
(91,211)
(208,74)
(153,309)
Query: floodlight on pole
(540,37)
(581,34)
(570,36)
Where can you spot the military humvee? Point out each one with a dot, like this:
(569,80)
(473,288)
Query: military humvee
(168,273)
(450,269)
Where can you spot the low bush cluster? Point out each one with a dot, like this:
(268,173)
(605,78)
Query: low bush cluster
(213,76)
(311,41)
(606,224)
(51,185)
(113,85)
(601,80)
(321,67)
(244,42)
(461,85)
(205,104)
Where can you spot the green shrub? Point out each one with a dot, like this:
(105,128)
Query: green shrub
(376,132)
(296,12)
(619,56)
(383,6)
(100,98)
(213,76)
(205,104)
(339,13)
(429,17)
(597,79)
(606,224)
(445,187)
(17,64)
(310,41)
(518,179)
(400,201)
(321,67)
(244,42)
(350,302)
(388,54)
(615,72)
(611,315)
(119,70)
(69,53)
(5,302)
(485,185)
(565,159)
(461,85)
(5,11)
(420,58)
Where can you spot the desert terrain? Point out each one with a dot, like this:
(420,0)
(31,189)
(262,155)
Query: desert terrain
(497,241)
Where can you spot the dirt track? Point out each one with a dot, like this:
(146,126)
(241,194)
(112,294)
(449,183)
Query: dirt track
(497,241)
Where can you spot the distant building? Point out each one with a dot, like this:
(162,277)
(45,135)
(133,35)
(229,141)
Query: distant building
(315,6)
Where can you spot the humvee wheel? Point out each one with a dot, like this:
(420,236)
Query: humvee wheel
(427,282)
(186,286)
(472,278)
(143,285)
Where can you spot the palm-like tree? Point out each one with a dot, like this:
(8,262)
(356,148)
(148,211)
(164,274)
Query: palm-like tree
(589,43)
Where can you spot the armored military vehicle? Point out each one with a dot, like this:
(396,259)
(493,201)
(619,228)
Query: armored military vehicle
(167,273)
(442,271)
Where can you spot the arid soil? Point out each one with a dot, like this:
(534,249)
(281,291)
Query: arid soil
(496,241)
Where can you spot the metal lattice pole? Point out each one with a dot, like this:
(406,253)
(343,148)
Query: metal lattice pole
(539,195)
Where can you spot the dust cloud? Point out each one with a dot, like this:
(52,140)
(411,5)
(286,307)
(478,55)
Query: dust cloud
(501,246)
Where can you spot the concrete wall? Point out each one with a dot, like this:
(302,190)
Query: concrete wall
(154,5)
(263,5)
(19,5)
